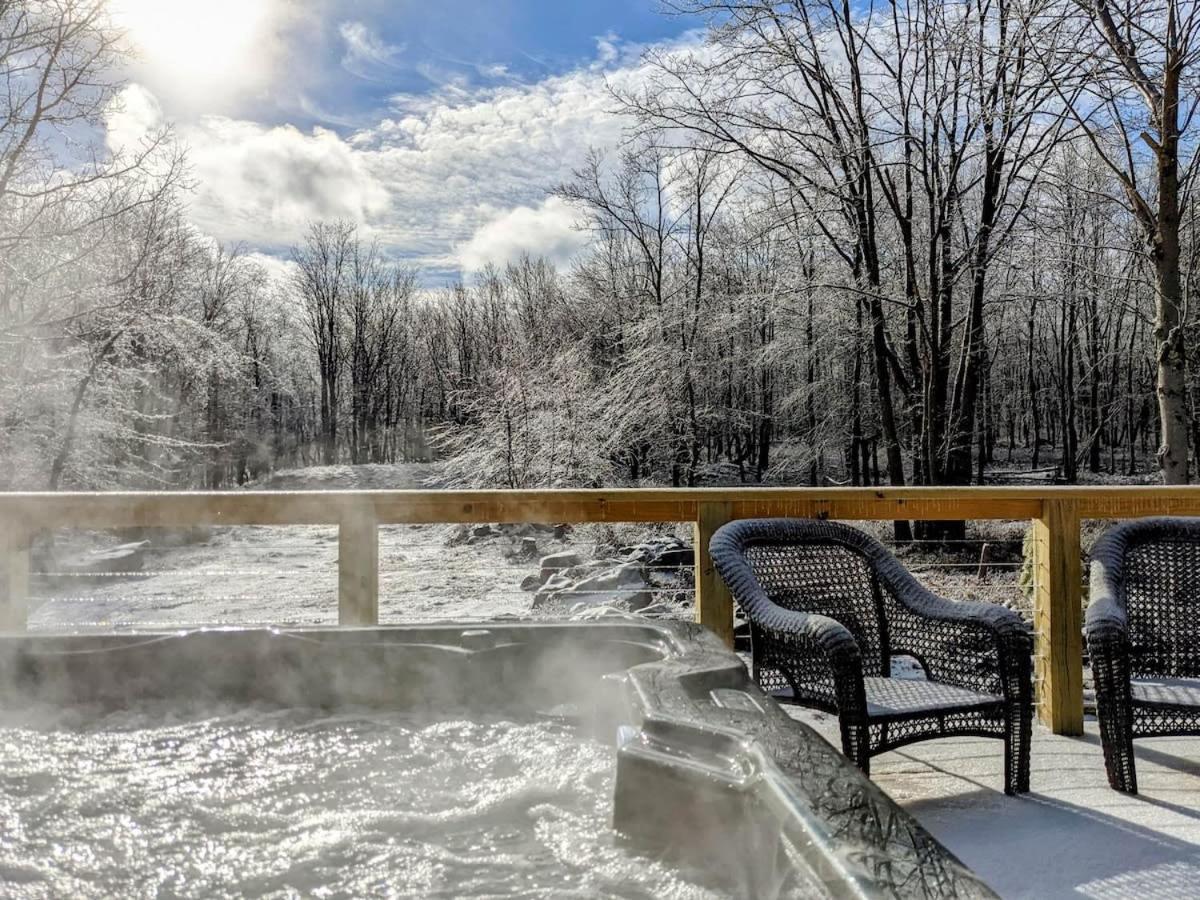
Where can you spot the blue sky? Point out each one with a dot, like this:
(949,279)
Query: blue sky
(438,125)
(479,41)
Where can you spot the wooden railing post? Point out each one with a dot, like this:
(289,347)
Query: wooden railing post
(1058,617)
(358,569)
(14,578)
(714,605)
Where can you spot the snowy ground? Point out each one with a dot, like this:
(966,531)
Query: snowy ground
(272,575)
(1071,836)
(287,576)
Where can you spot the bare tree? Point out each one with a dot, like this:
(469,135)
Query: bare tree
(1135,97)
(324,265)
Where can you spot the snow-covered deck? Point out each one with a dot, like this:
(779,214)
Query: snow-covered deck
(1071,836)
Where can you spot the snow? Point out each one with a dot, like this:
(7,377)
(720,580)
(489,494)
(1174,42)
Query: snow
(1072,835)
(288,576)
(275,575)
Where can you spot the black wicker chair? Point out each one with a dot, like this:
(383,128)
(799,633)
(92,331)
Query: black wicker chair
(1143,634)
(829,607)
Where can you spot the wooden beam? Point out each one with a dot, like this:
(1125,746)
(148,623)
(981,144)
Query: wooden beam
(14,578)
(714,604)
(36,511)
(1058,617)
(358,569)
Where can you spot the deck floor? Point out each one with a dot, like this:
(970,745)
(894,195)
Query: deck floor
(1071,836)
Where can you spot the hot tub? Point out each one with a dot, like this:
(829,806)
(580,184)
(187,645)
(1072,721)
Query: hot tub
(448,760)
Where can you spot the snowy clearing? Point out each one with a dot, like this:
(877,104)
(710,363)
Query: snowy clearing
(288,575)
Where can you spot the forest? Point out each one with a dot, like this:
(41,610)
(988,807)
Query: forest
(922,242)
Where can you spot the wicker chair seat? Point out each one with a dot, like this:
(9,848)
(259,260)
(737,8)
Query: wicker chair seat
(898,698)
(1165,692)
(890,698)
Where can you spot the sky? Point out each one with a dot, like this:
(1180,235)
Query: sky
(437,125)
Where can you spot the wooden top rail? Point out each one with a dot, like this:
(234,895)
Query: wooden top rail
(31,512)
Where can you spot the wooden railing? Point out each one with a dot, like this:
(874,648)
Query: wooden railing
(1056,513)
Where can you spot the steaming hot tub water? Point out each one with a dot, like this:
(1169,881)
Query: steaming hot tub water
(430,761)
(250,801)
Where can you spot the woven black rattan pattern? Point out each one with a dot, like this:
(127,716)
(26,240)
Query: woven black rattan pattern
(1143,632)
(828,606)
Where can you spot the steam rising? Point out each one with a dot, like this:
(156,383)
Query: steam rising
(252,762)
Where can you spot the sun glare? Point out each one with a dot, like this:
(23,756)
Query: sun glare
(209,42)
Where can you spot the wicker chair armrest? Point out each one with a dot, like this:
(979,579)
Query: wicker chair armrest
(968,628)
(1107,623)
(815,636)
(823,634)
(1004,624)
(824,642)
(1107,619)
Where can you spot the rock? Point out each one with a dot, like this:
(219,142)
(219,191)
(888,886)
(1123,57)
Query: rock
(625,585)
(531,582)
(591,567)
(123,558)
(553,585)
(557,562)
(481,531)
(460,534)
(638,602)
(673,557)
(561,532)
(522,548)
(168,537)
(665,554)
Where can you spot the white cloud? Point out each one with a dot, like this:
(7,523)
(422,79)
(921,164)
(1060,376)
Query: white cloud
(254,183)
(547,230)
(131,117)
(365,49)
(454,166)
(279,270)
(263,185)
(450,180)
(607,48)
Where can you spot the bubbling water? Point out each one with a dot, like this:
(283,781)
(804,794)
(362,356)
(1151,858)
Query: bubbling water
(282,803)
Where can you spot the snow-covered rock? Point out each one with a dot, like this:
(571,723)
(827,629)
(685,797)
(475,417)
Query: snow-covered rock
(458,535)
(670,553)
(626,585)
(557,562)
(553,585)
(120,559)
(521,548)
(592,566)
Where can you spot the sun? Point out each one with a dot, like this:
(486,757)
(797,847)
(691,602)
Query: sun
(207,43)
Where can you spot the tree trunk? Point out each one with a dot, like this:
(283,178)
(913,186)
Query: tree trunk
(1171,383)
